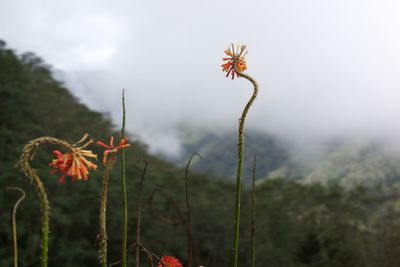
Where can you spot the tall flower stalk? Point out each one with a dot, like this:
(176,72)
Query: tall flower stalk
(103,212)
(123,187)
(108,162)
(73,164)
(14,222)
(235,65)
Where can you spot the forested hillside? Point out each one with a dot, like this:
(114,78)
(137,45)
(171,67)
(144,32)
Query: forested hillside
(297,225)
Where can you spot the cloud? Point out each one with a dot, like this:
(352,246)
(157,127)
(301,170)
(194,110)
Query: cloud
(325,68)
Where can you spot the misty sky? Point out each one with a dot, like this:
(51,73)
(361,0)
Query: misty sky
(325,68)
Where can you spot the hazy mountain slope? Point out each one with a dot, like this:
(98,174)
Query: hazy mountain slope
(219,153)
(357,164)
(348,162)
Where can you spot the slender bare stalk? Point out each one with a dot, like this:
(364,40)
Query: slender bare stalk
(14,222)
(253,215)
(139,212)
(28,154)
(240,166)
(189,222)
(123,187)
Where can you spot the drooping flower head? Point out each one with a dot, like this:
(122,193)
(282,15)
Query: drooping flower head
(236,61)
(169,261)
(111,148)
(73,163)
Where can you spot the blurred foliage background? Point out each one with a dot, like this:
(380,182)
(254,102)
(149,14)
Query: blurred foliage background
(298,224)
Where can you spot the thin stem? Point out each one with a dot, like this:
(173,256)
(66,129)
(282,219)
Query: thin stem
(14,222)
(157,215)
(28,154)
(139,211)
(240,167)
(253,215)
(189,222)
(214,257)
(123,187)
(148,253)
(103,238)
(150,259)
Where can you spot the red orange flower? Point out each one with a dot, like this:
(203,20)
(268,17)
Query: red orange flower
(73,163)
(169,261)
(235,62)
(111,148)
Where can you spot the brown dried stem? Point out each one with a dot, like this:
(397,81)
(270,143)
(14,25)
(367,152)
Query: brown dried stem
(103,238)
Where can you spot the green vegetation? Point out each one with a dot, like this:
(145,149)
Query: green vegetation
(297,224)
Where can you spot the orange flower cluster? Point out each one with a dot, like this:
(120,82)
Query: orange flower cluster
(169,261)
(235,62)
(74,163)
(111,148)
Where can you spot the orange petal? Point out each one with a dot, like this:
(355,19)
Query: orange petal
(102,144)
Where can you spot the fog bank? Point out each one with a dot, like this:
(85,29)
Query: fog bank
(325,68)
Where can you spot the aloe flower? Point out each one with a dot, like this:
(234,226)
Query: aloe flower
(235,65)
(235,61)
(73,163)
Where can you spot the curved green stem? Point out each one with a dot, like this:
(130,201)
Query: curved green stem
(14,222)
(28,153)
(123,187)
(240,167)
